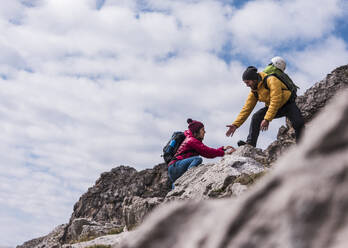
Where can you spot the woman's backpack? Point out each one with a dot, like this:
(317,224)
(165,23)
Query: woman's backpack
(172,146)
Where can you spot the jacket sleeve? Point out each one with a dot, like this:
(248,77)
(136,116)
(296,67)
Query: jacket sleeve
(206,151)
(276,95)
(246,110)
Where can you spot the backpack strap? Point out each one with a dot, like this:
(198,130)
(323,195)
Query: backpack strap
(264,82)
(255,94)
(293,93)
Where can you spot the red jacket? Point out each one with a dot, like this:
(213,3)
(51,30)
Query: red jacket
(192,147)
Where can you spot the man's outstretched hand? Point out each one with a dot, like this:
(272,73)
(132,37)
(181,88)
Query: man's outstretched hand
(264,125)
(231,129)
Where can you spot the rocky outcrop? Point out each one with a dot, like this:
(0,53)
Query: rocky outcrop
(303,203)
(86,228)
(229,177)
(52,240)
(103,241)
(316,97)
(122,196)
(119,200)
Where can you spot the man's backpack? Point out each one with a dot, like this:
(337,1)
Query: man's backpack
(271,70)
(172,146)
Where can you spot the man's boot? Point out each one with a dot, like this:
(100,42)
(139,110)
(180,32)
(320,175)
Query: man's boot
(241,143)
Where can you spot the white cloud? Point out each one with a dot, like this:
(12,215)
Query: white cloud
(83,90)
(315,62)
(260,27)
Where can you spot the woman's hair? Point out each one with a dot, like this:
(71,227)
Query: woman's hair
(194,126)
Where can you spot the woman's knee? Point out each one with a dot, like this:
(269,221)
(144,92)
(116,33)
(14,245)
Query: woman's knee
(171,174)
(195,162)
(199,160)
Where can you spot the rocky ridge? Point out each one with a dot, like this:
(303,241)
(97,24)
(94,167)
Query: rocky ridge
(121,198)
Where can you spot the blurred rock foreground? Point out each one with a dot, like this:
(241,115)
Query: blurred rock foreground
(285,196)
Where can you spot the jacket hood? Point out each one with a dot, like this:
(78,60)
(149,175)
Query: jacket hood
(188,133)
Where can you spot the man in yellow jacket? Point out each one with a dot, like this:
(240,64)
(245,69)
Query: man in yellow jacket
(277,99)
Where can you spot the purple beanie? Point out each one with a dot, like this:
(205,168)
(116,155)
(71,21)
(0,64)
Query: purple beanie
(194,126)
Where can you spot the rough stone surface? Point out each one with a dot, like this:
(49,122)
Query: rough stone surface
(86,228)
(317,96)
(115,240)
(52,240)
(218,180)
(122,196)
(135,209)
(303,203)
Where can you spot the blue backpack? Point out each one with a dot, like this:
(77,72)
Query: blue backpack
(172,146)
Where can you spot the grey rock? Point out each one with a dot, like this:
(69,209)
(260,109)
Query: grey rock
(86,228)
(217,180)
(136,208)
(107,240)
(122,196)
(302,203)
(316,97)
(52,240)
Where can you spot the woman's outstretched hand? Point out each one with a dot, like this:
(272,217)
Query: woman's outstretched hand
(229,150)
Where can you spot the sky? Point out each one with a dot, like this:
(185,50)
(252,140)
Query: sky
(88,85)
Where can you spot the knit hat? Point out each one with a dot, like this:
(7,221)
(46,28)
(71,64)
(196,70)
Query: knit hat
(194,126)
(250,73)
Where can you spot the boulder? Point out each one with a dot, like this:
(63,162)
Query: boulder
(52,240)
(86,228)
(230,176)
(122,197)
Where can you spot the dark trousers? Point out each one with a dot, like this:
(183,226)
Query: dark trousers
(290,110)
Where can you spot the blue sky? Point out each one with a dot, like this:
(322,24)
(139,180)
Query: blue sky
(87,85)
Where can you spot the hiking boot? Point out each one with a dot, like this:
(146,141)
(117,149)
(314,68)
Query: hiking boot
(241,143)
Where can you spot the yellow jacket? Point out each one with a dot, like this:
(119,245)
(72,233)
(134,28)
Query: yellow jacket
(274,99)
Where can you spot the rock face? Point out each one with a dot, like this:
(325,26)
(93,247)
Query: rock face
(52,240)
(303,203)
(122,197)
(231,176)
(316,97)
(103,241)
(86,228)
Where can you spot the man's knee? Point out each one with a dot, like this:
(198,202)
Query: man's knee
(258,116)
(298,123)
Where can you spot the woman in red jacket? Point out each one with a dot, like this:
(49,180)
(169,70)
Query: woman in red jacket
(187,155)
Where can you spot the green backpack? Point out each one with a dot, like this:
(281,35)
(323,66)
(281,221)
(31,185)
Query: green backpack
(271,70)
